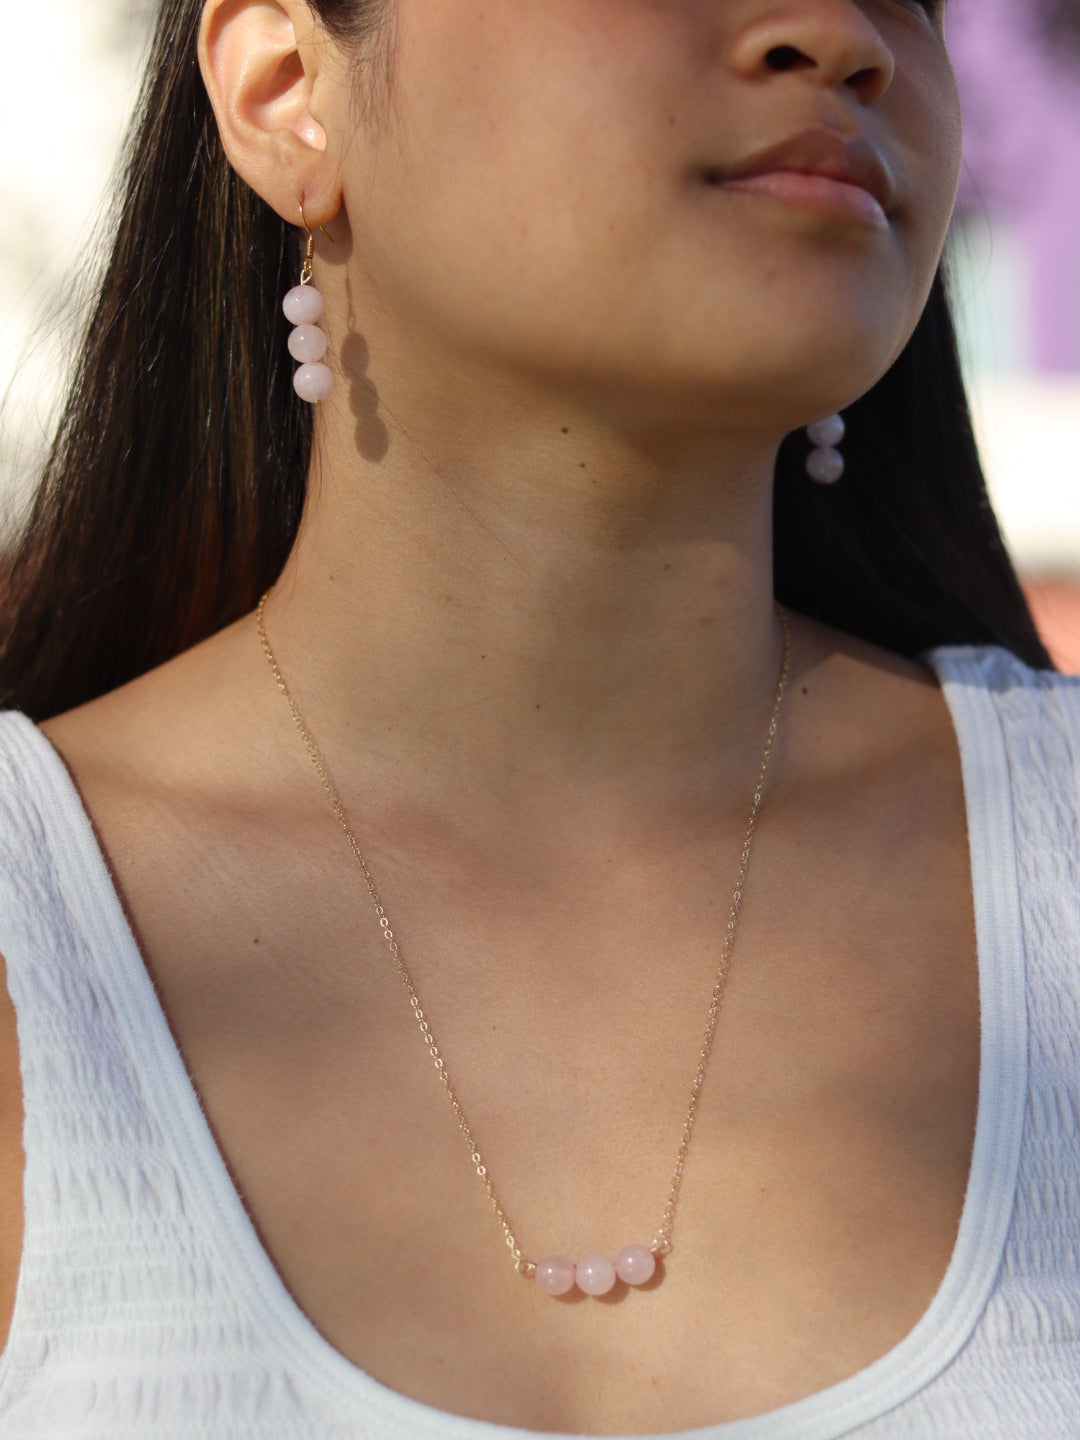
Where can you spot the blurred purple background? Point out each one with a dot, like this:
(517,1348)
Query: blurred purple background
(1018,64)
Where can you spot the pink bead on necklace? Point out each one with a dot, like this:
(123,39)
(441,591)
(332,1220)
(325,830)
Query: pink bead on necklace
(596,1274)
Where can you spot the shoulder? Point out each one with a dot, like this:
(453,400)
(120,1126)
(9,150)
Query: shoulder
(110,769)
(164,754)
(158,730)
(1037,711)
(170,771)
(1015,728)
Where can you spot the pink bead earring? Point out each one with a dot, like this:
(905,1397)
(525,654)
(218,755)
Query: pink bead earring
(303,306)
(825,464)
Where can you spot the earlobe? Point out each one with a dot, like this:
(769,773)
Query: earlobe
(260,60)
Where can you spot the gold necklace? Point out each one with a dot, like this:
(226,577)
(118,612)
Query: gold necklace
(555,1274)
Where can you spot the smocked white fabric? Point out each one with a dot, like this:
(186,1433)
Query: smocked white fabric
(147,1309)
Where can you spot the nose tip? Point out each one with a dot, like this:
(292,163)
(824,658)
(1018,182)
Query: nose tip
(832,42)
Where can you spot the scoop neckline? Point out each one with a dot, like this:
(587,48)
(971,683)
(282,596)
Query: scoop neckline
(382,1413)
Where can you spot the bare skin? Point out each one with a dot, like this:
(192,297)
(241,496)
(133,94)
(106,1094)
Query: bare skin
(529,618)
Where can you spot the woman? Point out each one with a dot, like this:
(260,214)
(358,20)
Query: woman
(588,271)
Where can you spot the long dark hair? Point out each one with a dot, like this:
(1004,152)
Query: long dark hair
(176,480)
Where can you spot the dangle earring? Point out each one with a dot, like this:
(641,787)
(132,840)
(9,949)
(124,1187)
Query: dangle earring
(825,464)
(303,306)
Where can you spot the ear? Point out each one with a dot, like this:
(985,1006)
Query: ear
(261,62)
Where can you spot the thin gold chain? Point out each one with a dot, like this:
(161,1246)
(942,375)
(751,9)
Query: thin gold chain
(661,1243)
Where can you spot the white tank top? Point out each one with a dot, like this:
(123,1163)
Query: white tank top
(147,1308)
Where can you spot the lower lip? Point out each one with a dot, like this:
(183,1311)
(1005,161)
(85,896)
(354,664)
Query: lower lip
(814,192)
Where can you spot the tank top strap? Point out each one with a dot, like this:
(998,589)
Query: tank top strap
(108,1238)
(84,1125)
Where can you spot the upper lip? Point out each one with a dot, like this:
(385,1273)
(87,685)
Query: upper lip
(850,158)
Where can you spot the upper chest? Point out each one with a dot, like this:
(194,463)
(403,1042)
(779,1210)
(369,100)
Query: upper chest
(825,1177)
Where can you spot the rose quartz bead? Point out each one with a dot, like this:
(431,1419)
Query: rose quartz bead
(313,382)
(829,431)
(307,343)
(555,1274)
(825,466)
(635,1264)
(595,1274)
(303,305)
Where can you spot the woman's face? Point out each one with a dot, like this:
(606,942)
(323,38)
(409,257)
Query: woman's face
(545,194)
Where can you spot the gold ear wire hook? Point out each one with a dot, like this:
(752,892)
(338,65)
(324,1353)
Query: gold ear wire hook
(305,273)
(307,227)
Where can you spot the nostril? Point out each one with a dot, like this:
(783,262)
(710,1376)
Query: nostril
(786,57)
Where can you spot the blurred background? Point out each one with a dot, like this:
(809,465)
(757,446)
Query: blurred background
(1015,248)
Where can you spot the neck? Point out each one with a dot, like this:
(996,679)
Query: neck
(559,613)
